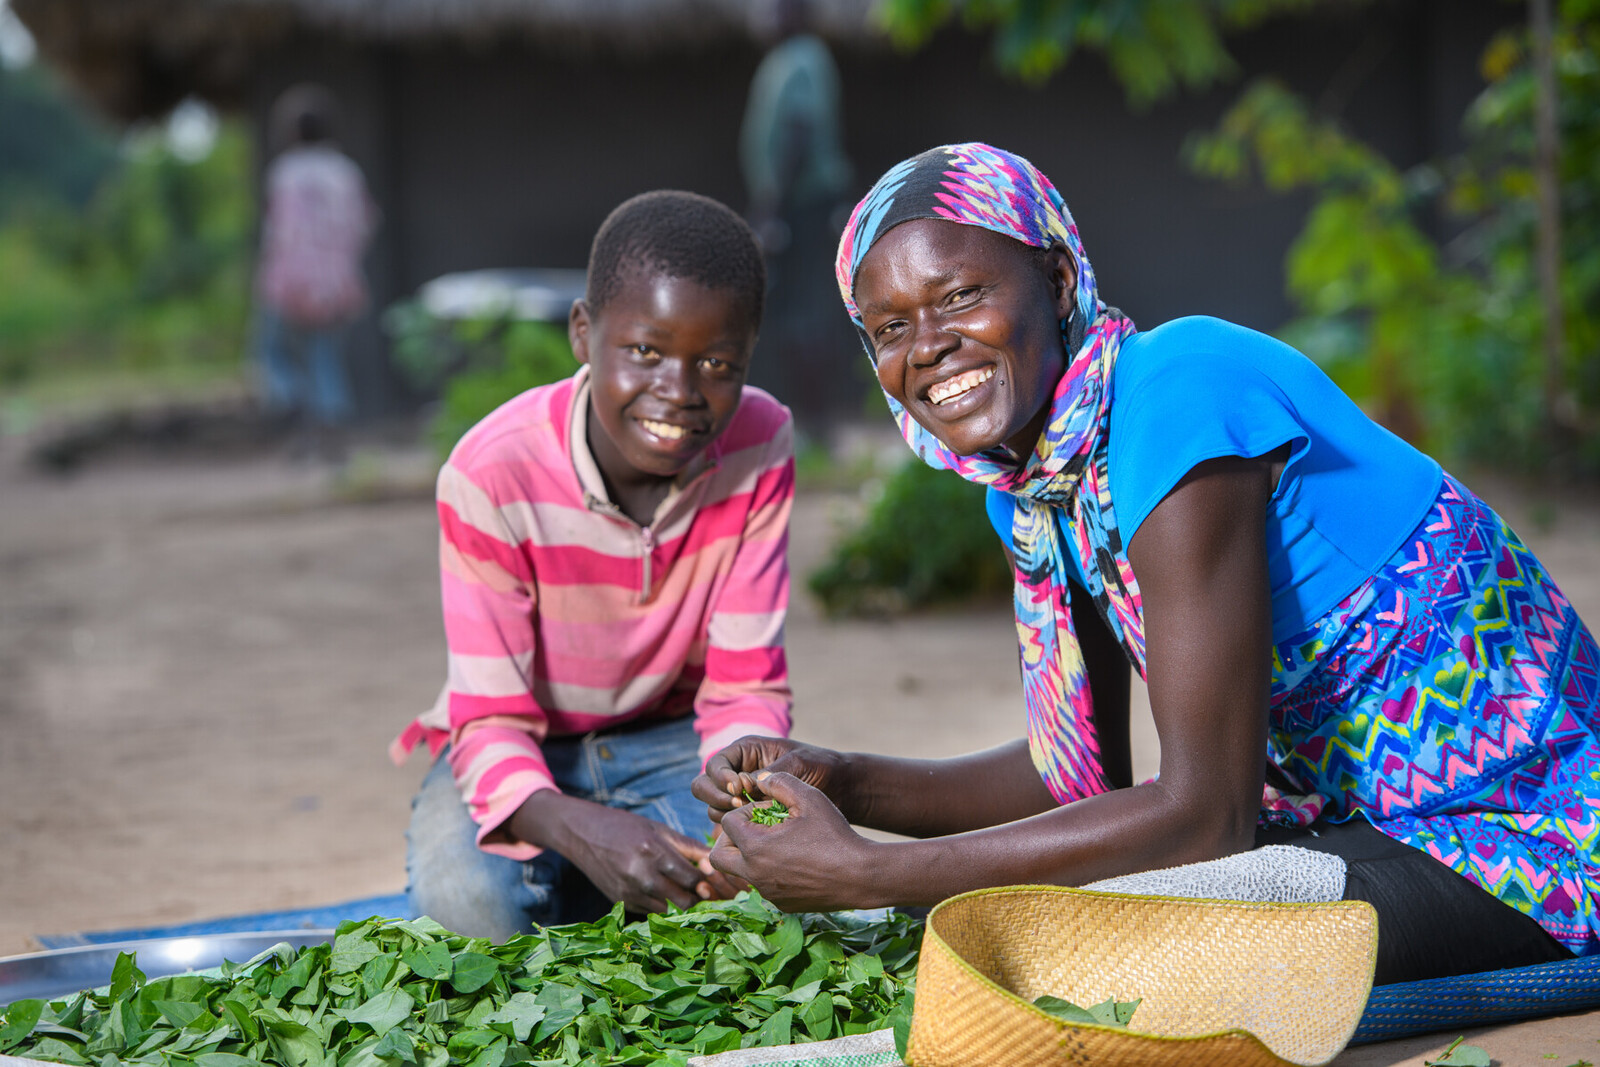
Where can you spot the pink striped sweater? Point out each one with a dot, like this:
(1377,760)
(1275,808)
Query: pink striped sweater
(563,616)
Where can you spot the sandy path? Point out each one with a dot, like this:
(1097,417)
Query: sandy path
(201,664)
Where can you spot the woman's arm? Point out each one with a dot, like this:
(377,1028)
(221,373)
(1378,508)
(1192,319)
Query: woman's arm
(914,797)
(937,797)
(1201,563)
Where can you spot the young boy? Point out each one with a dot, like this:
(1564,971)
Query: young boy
(613,558)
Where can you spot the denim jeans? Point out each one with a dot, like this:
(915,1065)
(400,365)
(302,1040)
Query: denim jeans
(304,368)
(644,768)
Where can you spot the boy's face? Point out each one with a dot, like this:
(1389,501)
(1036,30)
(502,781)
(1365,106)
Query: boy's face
(667,359)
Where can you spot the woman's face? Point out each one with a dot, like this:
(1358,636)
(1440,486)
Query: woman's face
(965,326)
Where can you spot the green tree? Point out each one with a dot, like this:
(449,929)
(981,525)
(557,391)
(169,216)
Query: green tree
(1447,340)
(152,271)
(49,148)
(1152,46)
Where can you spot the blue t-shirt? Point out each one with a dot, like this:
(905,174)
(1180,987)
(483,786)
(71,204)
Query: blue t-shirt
(1198,388)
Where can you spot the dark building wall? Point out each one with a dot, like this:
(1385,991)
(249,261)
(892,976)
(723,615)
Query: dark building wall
(511,155)
(512,159)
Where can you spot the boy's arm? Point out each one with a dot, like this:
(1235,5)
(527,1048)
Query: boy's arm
(746,687)
(496,725)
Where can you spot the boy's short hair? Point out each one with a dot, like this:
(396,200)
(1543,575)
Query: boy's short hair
(680,235)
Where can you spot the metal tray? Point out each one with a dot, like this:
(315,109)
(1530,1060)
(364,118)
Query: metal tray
(58,972)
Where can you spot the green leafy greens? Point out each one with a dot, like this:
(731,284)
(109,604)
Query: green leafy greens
(389,993)
(1110,1012)
(770,814)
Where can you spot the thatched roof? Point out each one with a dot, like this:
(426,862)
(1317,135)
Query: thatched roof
(138,57)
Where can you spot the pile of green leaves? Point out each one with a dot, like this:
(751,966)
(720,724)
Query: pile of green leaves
(388,993)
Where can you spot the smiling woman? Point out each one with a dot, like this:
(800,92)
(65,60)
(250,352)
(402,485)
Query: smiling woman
(962,326)
(1346,651)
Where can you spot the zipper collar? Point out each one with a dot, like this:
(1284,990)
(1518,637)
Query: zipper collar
(593,485)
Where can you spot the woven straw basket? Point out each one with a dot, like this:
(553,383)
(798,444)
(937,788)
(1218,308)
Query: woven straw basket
(1220,982)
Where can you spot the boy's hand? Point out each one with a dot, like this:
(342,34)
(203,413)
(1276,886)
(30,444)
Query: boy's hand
(729,779)
(643,863)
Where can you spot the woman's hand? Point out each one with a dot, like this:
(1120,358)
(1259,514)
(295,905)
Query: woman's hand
(730,775)
(811,861)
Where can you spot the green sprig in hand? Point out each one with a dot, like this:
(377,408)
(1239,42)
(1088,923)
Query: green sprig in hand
(769,814)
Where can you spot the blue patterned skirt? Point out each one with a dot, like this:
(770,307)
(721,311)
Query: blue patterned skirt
(1452,701)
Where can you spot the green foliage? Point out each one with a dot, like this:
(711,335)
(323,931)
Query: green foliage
(478,364)
(152,272)
(50,150)
(926,540)
(1444,342)
(723,975)
(1152,46)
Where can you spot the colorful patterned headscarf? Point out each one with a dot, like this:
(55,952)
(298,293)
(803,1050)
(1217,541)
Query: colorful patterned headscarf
(977,185)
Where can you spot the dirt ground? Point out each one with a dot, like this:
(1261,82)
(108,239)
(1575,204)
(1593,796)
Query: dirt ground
(202,660)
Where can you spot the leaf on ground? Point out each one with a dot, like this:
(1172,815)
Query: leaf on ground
(1460,1055)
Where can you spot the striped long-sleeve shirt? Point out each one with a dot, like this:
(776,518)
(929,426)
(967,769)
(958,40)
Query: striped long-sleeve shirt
(562,615)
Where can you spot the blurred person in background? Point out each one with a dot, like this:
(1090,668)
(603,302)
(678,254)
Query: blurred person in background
(797,177)
(317,221)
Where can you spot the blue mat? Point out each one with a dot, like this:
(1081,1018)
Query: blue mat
(1408,1008)
(323,918)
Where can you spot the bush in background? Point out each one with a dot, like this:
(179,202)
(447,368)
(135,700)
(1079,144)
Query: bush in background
(150,270)
(926,540)
(474,365)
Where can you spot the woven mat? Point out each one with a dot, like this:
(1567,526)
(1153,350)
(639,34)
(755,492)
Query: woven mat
(1408,1008)
(863,1050)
